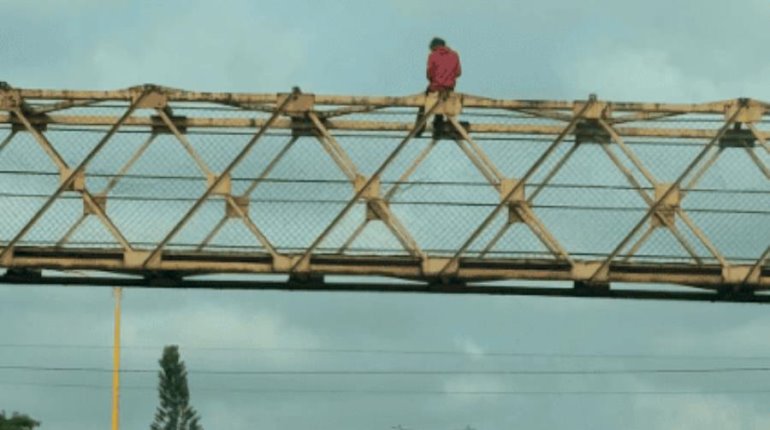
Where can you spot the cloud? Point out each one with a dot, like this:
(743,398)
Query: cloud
(733,338)
(698,413)
(645,75)
(469,347)
(237,51)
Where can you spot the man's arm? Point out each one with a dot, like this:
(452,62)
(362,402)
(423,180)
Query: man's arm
(428,69)
(459,66)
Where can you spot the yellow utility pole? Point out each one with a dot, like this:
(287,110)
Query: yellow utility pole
(116,363)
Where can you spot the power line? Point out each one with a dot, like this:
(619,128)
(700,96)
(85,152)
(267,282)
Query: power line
(407,392)
(405,372)
(408,352)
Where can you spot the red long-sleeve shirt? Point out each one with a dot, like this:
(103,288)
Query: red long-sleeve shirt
(443,69)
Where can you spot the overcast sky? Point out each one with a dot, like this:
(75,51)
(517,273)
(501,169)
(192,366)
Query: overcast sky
(654,50)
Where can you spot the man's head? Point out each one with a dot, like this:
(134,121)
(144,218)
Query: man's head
(437,42)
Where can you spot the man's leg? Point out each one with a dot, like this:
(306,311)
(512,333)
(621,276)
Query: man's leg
(420,117)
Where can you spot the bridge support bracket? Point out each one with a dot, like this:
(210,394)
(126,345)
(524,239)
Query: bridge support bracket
(160,127)
(155,97)
(100,200)
(306,278)
(752,111)
(736,275)
(738,138)
(583,272)
(242,203)
(9,98)
(432,267)
(668,208)
(25,275)
(590,131)
(592,288)
(377,208)
(514,201)
(224,187)
(135,259)
(77,184)
(597,110)
(298,105)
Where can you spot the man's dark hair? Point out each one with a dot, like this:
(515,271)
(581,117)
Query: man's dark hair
(436,42)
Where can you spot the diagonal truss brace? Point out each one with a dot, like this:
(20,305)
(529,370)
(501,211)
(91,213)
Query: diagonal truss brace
(665,215)
(377,208)
(71,177)
(213,186)
(601,273)
(453,262)
(305,258)
(757,268)
(242,201)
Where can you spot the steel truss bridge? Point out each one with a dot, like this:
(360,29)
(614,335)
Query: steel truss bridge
(153,186)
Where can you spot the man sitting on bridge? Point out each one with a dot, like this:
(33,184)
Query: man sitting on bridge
(442,72)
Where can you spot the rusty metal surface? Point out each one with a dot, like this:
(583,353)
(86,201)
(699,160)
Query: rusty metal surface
(158,183)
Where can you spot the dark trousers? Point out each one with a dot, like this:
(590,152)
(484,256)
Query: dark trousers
(438,119)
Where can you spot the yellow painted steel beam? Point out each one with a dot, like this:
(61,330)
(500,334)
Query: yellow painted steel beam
(415,100)
(334,119)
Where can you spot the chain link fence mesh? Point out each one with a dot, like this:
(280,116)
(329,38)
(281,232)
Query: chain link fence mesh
(584,198)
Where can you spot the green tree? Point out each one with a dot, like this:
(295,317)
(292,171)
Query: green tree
(17,422)
(174,412)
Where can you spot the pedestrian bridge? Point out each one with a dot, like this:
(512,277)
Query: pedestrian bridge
(153,186)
